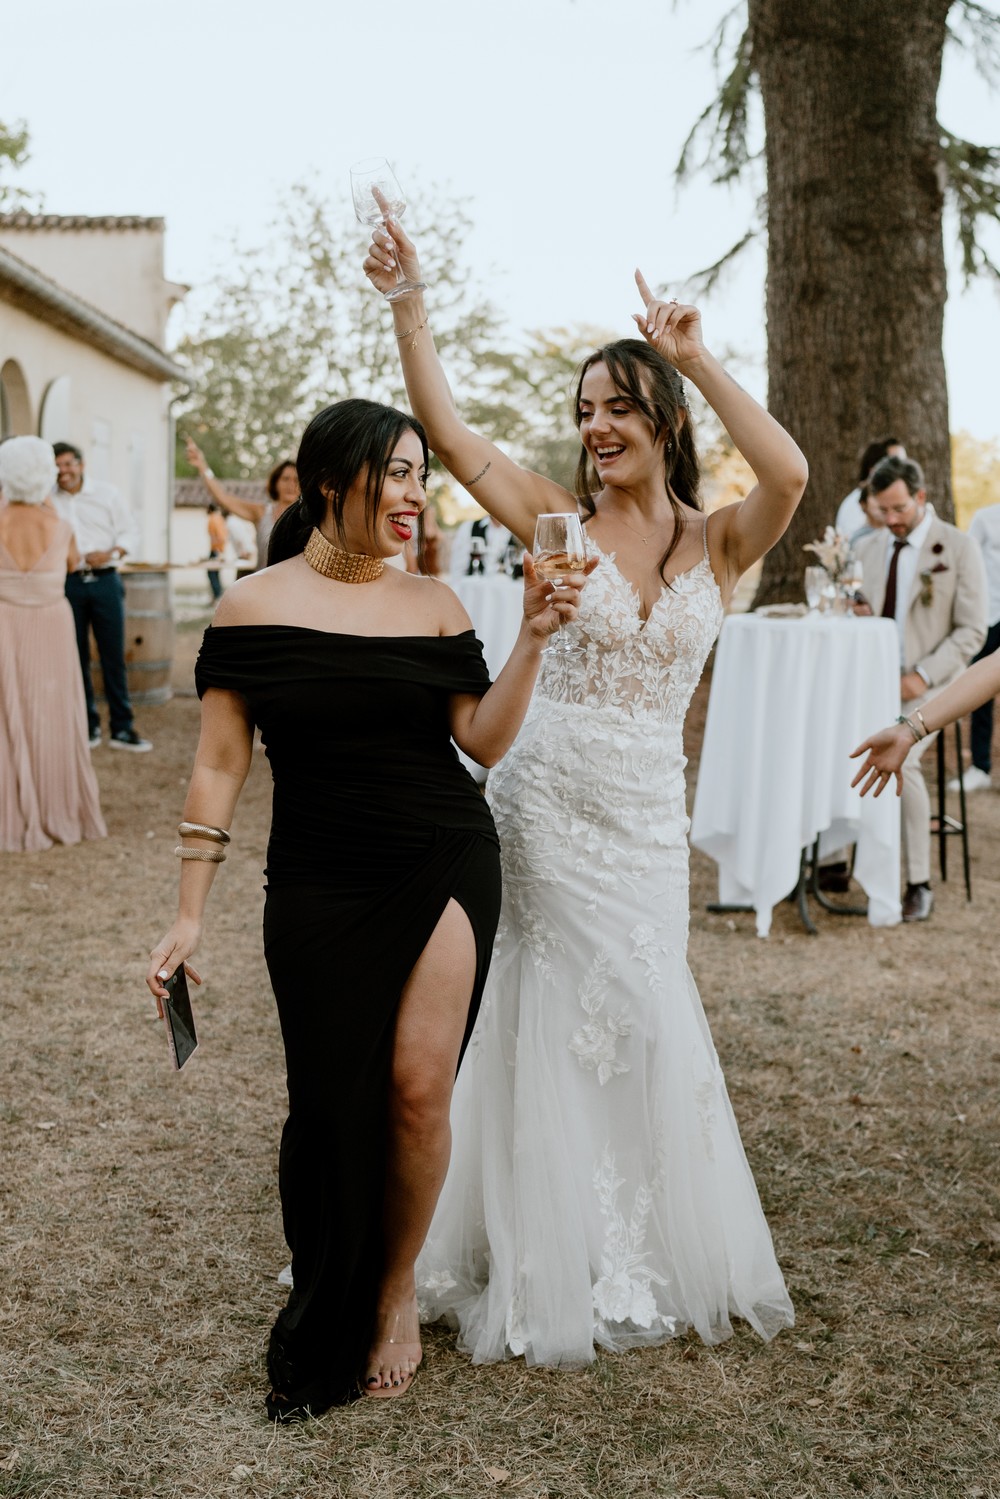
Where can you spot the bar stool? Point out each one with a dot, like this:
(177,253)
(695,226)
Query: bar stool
(948,826)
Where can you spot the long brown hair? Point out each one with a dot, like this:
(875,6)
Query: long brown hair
(657,392)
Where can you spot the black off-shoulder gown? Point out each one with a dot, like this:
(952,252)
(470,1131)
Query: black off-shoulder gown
(375,827)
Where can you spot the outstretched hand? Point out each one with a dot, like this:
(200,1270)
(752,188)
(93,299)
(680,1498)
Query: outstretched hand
(390,251)
(194,455)
(673,328)
(886,752)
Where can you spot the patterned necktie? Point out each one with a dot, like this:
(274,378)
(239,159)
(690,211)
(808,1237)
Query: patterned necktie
(889,607)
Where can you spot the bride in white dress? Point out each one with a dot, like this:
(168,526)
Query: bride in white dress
(598,1191)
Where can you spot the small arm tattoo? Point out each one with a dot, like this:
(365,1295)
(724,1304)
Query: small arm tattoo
(468,483)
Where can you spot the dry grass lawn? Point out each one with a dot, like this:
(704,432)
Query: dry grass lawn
(140,1235)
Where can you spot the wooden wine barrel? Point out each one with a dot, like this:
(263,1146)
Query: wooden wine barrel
(149,638)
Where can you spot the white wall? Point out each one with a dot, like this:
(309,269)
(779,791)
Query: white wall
(118,417)
(119,271)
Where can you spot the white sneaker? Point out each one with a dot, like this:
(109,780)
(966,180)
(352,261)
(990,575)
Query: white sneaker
(974,778)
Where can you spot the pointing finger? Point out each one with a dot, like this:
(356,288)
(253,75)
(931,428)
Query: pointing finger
(644,291)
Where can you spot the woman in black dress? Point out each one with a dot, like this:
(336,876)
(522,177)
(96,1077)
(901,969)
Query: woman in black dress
(382,877)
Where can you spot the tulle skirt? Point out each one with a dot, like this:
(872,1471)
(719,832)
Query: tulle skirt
(599,1194)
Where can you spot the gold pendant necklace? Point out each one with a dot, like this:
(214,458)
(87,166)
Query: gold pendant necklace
(643,539)
(343,567)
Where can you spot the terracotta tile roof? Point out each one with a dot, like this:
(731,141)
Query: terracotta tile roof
(76,221)
(191,494)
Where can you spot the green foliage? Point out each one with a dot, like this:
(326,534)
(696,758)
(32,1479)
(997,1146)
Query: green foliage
(296,326)
(14,155)
(973,188)
(719,140)
(977,30)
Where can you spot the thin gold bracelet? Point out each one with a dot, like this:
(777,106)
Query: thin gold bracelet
(414,331)
(207,855)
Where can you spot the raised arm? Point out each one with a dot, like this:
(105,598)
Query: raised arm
(250,510)
(752,527)
(512,494)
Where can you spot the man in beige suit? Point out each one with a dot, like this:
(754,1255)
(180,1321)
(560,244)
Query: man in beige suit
(928,577)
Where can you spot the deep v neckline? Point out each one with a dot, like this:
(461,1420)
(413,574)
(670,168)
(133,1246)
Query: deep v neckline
(643,620)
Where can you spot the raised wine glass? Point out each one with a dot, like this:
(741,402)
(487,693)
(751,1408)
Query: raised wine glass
(371,176)
(559,550)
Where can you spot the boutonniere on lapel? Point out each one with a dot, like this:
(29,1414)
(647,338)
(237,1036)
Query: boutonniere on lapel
(927,576)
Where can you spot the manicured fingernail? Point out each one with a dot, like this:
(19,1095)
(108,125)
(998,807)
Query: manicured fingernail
(649,327)
(162,973)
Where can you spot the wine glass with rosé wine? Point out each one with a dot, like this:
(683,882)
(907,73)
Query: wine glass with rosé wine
(377,196)
(559,551)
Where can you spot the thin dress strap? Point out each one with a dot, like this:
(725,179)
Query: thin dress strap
(704,535)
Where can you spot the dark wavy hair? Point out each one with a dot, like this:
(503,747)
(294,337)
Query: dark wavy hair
(342,441)
(876,450)
(891,469)
(657,391)
(275,475)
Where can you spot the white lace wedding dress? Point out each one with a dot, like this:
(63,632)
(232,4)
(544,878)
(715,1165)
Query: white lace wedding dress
(598,1190)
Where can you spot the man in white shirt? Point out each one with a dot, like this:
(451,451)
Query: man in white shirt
(929,578)
(105,532)
(985,529)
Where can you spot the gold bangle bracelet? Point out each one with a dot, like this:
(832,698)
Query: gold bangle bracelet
(202,830)
(207,855)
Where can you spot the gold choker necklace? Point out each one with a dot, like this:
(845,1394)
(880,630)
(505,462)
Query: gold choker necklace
(344,567)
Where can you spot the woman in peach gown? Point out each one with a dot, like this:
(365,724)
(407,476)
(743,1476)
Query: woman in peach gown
(48,790)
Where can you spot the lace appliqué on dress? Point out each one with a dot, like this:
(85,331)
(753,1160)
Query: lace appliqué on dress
(641,669)
(595,1044)
(623,1292)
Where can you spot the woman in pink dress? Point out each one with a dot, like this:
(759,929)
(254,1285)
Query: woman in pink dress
(48,790)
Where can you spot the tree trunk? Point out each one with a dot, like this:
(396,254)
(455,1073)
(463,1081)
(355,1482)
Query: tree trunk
(856,281)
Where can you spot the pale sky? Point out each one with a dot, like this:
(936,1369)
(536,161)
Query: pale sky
(556,122)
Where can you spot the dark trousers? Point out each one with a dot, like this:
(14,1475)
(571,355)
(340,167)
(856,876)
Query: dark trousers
(100,606)
(982,718)
(215,577)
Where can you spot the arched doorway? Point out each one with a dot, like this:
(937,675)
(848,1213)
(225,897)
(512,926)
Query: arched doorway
(15,407)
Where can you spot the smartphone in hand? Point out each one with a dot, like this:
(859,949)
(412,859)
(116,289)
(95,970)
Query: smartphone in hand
(181,1034)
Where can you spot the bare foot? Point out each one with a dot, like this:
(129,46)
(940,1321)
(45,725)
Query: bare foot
(395,1351)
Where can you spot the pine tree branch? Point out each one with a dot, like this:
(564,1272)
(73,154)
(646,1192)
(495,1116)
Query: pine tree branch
(973,188)
(702,282)
(720,135)
(977,30)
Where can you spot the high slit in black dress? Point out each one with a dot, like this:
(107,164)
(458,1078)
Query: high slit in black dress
(375,827)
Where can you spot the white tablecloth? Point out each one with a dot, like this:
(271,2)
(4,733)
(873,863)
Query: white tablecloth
(790,699)
(495,606)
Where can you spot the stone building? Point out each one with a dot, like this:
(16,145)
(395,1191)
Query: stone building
(83,313)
